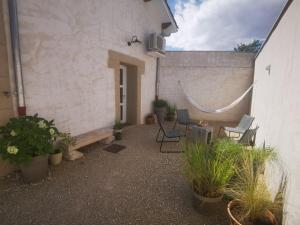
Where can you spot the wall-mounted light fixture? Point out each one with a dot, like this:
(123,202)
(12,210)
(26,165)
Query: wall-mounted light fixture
(134,40)
(268,68)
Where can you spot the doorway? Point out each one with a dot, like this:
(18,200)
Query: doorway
(128,72)
(123,94)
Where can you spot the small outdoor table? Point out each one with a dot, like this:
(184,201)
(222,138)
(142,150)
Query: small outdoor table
(201,133)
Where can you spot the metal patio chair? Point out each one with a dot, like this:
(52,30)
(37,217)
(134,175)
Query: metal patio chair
(183,118)
(174,134)
(248,138)
(241,128)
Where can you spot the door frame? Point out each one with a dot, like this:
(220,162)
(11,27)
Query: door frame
(115,59)
(123,117)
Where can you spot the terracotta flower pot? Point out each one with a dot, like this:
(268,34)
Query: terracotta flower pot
(36,170)
(56,158)
(233,221)
(150,119)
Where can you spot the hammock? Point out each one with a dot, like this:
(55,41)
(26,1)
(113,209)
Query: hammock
(221,110)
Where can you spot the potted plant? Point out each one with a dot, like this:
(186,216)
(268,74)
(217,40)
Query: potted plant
(171,112)
(27,141)
(253,203)
(150,119)
(65,140)
(207,170)
(118,130)
(160,107)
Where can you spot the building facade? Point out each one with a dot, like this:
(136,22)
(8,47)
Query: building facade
(76,64)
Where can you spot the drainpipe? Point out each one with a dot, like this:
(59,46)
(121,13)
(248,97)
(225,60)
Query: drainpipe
(15,44)
(157,79)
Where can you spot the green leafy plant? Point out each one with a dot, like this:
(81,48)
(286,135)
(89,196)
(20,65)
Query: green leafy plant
(26,137)
(118,125)
(160,103)
(207,170)
(65,140)
(172,109)
(250,189)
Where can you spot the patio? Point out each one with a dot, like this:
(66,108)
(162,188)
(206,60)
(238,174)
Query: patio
(138,185)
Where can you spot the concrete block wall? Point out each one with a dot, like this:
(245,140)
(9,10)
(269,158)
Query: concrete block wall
(212,79)
(64,50)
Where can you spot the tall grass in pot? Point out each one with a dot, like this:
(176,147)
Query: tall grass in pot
(253,203)
(207,171)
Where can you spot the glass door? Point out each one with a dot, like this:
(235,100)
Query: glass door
(123,91)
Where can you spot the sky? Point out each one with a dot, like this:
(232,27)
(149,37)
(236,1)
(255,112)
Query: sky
(221,24)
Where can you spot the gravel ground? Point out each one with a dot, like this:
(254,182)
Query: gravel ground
(138,185)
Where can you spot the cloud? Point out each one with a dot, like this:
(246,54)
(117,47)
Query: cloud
(222,24)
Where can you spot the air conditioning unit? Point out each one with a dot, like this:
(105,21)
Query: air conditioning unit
(156,43)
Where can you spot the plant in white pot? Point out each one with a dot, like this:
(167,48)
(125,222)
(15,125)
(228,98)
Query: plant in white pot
(64,141)
(27,141)
(207,170)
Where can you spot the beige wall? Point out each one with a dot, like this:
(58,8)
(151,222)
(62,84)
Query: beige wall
(64,50)
(276,101)
(213,79)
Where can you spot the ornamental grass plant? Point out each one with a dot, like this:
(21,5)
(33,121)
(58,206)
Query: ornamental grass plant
(207,170)
(250,189)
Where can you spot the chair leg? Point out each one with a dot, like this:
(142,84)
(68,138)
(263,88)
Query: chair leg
(175,124)
(178,140)
(157,136)
(186,129)
(161,143)
(220,131)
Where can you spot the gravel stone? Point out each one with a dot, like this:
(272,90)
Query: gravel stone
(138,185)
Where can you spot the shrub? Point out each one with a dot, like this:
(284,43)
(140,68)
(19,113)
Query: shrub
(65,139)
(26,137)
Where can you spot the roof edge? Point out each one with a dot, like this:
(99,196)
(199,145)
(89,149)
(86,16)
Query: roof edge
(284,10)
(171,14)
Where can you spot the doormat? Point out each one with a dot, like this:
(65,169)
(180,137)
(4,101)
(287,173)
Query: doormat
(114,148)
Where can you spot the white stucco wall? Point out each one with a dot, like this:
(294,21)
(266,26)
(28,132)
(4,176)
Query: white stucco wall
(276,101)
(64,50)
(212,79)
